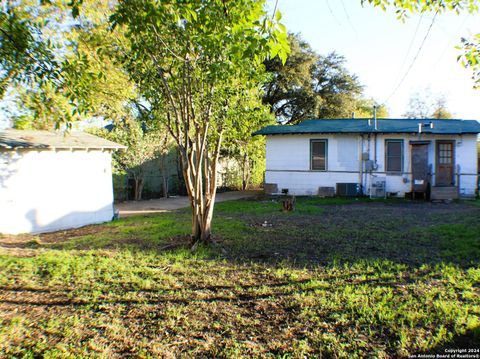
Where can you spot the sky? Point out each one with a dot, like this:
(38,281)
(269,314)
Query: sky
(379,49)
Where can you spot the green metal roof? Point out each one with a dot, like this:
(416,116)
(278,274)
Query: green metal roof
(444,127)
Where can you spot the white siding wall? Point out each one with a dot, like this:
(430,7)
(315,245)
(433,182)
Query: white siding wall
(288,161)
(466,148)
(42,191)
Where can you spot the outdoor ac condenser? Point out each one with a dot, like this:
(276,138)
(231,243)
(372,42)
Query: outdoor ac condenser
(378,187)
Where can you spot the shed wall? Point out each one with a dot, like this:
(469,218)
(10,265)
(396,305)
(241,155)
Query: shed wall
(43,191)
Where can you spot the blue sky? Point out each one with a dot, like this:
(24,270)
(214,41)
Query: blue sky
(376,46)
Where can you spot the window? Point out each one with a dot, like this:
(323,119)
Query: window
(445,153)
(318,155)
(394,155)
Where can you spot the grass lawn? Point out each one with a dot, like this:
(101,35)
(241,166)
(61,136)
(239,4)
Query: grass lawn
(335,278)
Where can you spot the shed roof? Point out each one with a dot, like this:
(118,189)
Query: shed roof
(450,127)
(15,139)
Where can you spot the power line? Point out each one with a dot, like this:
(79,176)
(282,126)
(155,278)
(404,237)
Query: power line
(275,9)
(348,18)
(409,48)
(333,15)
(414,59)
(449,43)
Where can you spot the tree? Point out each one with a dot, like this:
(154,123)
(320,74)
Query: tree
(470,56)
(24,55)
(365,109)
(309,85)
(424,104)
(196,61)
(31,57)
(440,109)
(248,151)
(143,144)
(164,148)
(289,89)
(338,90)
(88,65)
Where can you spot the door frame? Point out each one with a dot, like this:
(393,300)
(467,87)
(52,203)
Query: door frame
(437,155)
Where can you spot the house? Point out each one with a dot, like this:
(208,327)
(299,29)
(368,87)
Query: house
(373,157)
(51,181)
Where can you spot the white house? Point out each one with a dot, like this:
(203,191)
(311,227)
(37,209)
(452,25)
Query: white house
(51,181)
(374,157)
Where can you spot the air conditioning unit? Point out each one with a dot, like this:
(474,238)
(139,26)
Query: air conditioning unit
(348,190)
(378,187)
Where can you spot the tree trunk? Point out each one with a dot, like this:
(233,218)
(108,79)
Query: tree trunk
(196,229)
(164,176)
(200,173)
(245,172)
(138,188)
(165,186)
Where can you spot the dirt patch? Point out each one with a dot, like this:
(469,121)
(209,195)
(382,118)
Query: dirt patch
(399,231)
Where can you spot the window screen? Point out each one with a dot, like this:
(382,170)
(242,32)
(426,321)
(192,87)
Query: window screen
(318,153)
(394,155)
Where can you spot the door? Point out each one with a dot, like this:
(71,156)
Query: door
(420,175)
(445,164)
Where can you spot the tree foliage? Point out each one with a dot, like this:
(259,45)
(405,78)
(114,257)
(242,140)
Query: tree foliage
(424,104)
(289,90)
(470,56)
(35,56)
(365,109)
(309,85)
(143,144)
(89,81)
(199,63)
(246,150)
(25,56)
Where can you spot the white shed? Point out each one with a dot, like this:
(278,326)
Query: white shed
(51,181)
(427,156)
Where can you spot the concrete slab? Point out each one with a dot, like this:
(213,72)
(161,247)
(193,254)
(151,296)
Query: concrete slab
(160,205)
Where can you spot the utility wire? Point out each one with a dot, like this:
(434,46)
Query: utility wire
(348,18)
(409,48)
(449,43)
(414,59)
(333,15)
(275,9)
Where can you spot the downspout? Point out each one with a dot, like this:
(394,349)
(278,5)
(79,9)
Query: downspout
(368,151)
(360,165)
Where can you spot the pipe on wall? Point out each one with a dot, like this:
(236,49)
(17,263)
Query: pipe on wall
(360,165)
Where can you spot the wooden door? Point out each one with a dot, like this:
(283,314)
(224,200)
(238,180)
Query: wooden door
(420,175)
(444,173)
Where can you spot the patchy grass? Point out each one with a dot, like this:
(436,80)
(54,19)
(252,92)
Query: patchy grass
(334,279)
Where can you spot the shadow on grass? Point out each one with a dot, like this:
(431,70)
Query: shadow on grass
(325,231)
(318,232)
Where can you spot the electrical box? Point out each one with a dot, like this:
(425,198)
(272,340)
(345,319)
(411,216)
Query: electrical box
(369,166)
